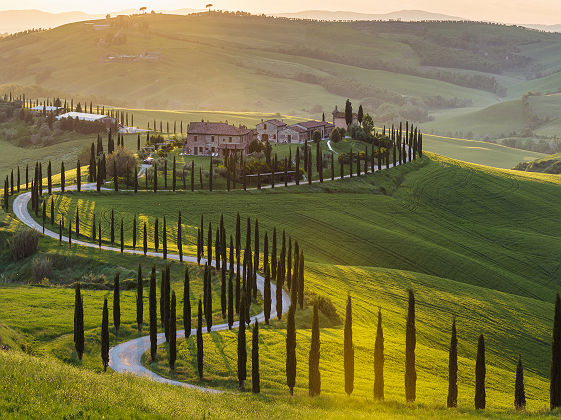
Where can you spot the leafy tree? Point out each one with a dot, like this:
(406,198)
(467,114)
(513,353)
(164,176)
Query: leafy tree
(349,351)
(453,369)
(79,322)
(139,298)
(200,340)
(153,316)
(105,336)
(255,379)
(379,360)
(519,393)
(316,136)
(187,304)
(291,350)
(314,378)
(480,374)
(172,334)
(410,343)
(116,302)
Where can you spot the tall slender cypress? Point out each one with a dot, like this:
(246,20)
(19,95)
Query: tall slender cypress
(452,400)
(156,235)
(349,351)
(267,287)
(153,316)
(139,298)
(179,237)
(200,340)
(242,350)
(555,374)
(230,300)
(105,336)
(519,392)
(116,302)
(187,304)
(291,350)
(410,343)
(314,378)
(379,360)
(134,232)
(145,240)
(172,333)
(255,377)
(480,374)
(79,322)
(164,240)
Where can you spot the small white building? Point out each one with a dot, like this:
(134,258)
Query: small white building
(48,108)
(83,116)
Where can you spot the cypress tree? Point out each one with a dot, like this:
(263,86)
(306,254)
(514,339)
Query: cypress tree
(209,244)
(156,236)
(53,213)
(217,249)
(116,302)
(379,360)
(208,301)
(70,232)
(105,336)
(349,351)
(115,177)
(135,179)
(134,232)
(297,175)
(165,240)
(223,292)
(555,374)
(291,350)
(278,296)
(145,240)
(255,379)
(314,378)
(187,304)
(62,177)
(112,226)
(49,178)
(200,341)
(410,343)
(78,177)
(79,322)
(267,288)
(242,350)
(230,300)
(480,374)
(122,238)
(172,334)
(167,297)
(139,298)
(155,178)
(289,265)
(301,280)
(519,393)
(453,369)
(153,316)
(19,181)
(179,237)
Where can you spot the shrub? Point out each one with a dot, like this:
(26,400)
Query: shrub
(124,160)
(24,243)
(42,268)
(335,135)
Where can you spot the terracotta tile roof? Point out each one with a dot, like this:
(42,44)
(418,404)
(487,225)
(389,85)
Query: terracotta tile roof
(215,128)
(276,122)
(296,128)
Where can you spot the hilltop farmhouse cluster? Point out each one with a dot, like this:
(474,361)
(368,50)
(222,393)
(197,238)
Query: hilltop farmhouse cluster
(217,138)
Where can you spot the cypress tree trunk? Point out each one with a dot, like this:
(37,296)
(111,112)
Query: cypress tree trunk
(242,350)
(172,334)
(410,343)
(153,316)
(480,374)
(139,299)
(349,351)
(555,374)
(116,302)
(453,369)
(379,360)
(79,322)
(200,341)
(187,304)
(519,393)
(291,350)
(314,378)
(105,336)
(255,379)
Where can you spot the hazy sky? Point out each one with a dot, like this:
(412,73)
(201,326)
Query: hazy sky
(512,11)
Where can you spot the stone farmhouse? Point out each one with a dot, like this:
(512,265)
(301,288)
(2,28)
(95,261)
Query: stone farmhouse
(339,118)
(277,131)
(269,130)
(216,138)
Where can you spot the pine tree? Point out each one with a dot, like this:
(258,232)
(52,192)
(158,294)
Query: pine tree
(200,340)
(314,378)
(255,378)
(79,322)
(379,360)
(349,351)
(116,302)
(187,304)
(519,393)
(410,343)
(172,334)
(453,369)
(153,316)
(480,374)
(105,336)
(555,374)
(291,350)
(242,350)
(139,298)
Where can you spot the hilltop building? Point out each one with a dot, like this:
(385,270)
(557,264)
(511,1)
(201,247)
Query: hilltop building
(83,116)
(339,118)
(213,138)
(269,130)
(277,131)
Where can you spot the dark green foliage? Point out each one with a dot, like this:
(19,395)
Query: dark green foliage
(122,238)
(480,374)
(49,178)
(200,340)
(78,177)
(242,350)
(255,379)
(348,113)
(208,297)
(230,300)
(301,280)
(187,304)
(267,288)
(139,298)
(349,351)
(105,336)
(116,302)
(79,322)
(452,400)
(291,350)
(62,177)
(156,235)
(379,360)
(112,226)
(164,240)
(519,393)
(314,378)
(179,237)
(174,176)
(172,352)
(153,316)
(145,240)
(555,375)
(410,343)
